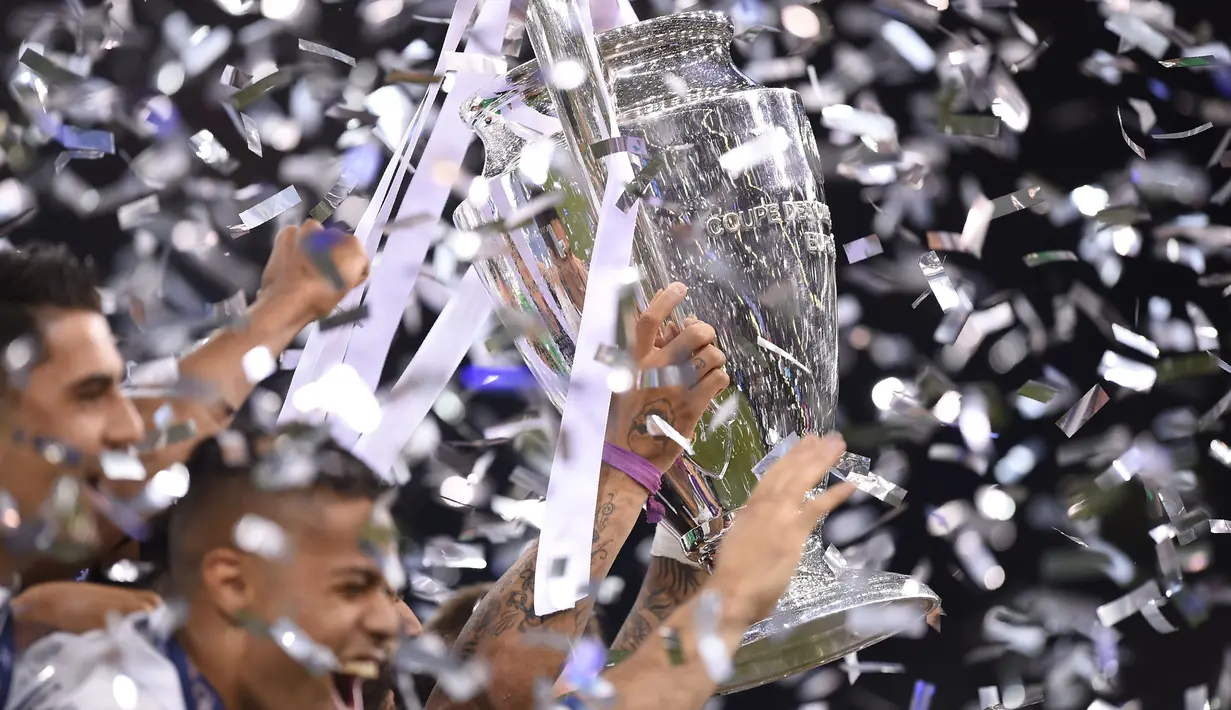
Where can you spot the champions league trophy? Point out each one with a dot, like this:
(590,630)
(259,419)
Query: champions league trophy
(755,248)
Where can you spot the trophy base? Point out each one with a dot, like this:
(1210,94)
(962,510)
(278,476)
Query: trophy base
(811,625)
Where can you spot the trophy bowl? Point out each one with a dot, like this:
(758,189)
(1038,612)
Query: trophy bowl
(750,233)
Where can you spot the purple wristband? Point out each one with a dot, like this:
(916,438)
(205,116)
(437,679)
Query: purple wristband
(641,471)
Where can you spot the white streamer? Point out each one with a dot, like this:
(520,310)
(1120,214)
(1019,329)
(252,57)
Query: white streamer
(325,349)
(563,565)
(429,371)
(562,568)
(391,283)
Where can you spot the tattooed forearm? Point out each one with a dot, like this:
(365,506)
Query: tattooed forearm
(509,606)
(668,584)
(495,631)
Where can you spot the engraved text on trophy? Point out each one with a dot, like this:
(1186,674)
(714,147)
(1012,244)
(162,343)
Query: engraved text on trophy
(810,215)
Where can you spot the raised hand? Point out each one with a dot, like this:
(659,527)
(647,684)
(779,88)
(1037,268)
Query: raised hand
(313,268)
(761,550)
(696,360)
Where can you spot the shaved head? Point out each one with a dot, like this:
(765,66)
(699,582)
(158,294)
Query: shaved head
(240,475)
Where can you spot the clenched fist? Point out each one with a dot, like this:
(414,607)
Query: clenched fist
(313,268)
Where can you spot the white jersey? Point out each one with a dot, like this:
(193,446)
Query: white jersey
(118,668)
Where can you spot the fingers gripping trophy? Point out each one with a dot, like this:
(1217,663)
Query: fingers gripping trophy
(733,206)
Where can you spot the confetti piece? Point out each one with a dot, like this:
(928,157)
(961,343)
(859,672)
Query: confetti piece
(1146,117)
(659,427)
(1038,392)
(1141,153)
(341,318)
(763,343)
(260,88)
(675,647)
(88,141)
(48,70)
(1206,60)
(1137,342)
(1138,33)
(863,248)
(854,469)
(322,50)
(134,213)
(978,219)
(620,144)
(252,136)
(269,208)
(741,158)
(1136,376)
(1082,411)
(1220,408)
(724,413)
(469,62)
(1183,134)
(262,537)
(938,281)
(497,379)
(1220,150)
(642,182)
(875,126)
(121,466)
(921,696)
(1017,201)
(1040,258)
(212,152)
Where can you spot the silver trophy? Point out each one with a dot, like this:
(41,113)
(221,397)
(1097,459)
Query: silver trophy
(733,206)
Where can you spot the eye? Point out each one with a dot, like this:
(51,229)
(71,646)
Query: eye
(354,589)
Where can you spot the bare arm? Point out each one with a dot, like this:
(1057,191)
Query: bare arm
(650,678)
(757,557)
(495,631)
(272,323)
(667,585)
(293,293)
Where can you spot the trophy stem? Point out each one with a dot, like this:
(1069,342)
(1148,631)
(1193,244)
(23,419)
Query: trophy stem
(586,110)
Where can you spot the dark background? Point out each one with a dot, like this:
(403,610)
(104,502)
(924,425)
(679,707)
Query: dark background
(1073,139)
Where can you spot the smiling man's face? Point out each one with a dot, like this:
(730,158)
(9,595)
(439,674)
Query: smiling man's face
(65,409)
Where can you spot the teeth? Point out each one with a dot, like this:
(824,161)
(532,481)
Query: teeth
(362,669)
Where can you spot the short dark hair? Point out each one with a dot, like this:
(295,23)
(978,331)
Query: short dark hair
(37,277)
(225,484)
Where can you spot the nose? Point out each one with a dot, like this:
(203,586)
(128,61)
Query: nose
(384,622)
(125,427)
(411,626)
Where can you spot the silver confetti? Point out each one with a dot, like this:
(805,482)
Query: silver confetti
(324,51)
(1082,411)
(938,281)
(863,248)
(269,208)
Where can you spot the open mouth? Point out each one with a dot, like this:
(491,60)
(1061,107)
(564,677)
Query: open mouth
(346,691)
(348,682)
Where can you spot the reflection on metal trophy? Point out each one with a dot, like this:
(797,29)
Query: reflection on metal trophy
(749,232)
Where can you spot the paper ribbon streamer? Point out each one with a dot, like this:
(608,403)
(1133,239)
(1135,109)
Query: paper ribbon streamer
(391,283)
(462,321)
(326,349)
(563,567)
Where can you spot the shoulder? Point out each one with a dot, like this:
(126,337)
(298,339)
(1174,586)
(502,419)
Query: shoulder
(109,669)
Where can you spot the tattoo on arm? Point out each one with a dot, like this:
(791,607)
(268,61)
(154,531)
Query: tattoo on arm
(640,439)
(668,584)
(509,606)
